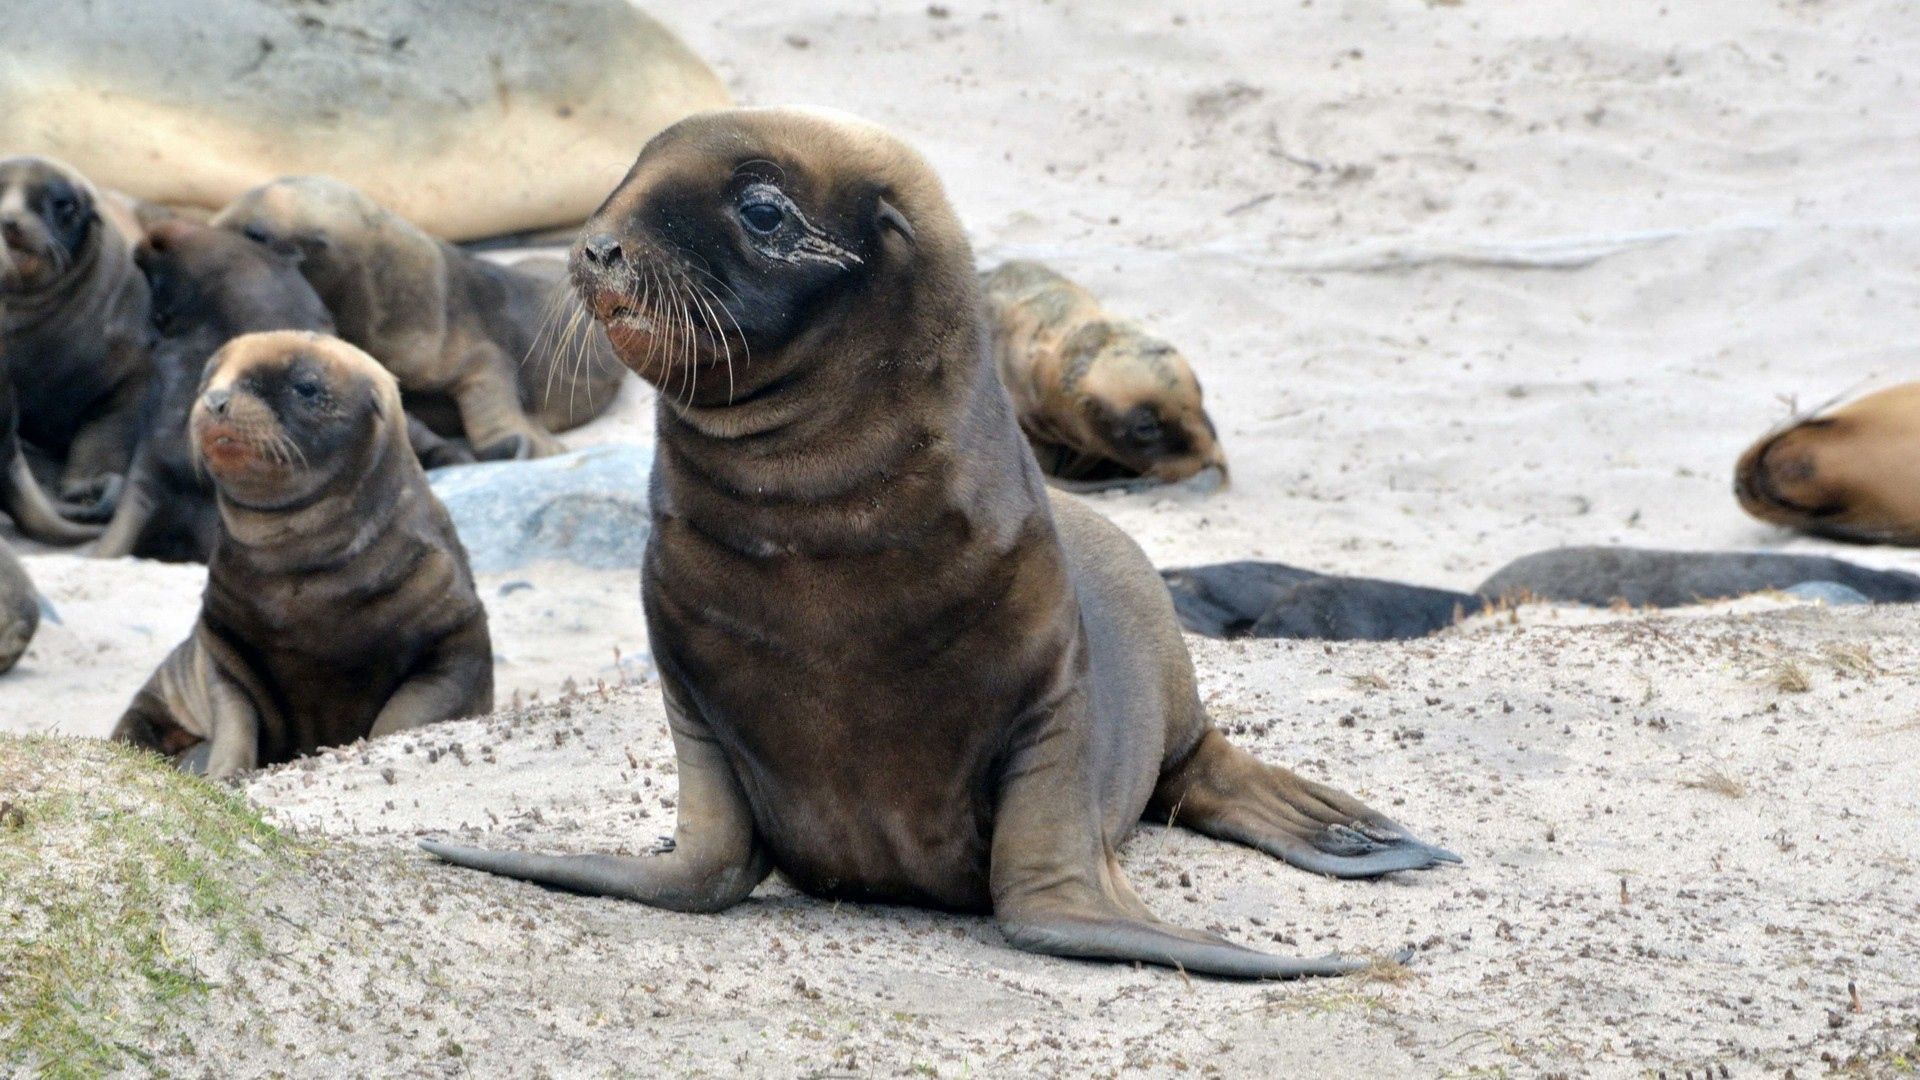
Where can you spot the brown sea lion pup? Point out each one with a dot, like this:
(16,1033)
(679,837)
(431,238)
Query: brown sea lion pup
(895,669)
(338,601)
(1103,402)
(19,609)
(502,352)
(1852,473)
(73,322)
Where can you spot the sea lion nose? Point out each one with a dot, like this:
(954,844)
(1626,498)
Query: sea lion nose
(216,401)
(601,249)
(11,230)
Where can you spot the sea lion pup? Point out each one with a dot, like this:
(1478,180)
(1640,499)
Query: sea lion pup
(1644,577)
(209,286)
(338,600)
(508,349)
(1849,474)
(1104,403)
(73,322)
(19,609)
(895,670)
(36,515)
(1274,600)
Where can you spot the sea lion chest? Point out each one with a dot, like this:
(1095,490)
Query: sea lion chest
(865,700)
(324,649)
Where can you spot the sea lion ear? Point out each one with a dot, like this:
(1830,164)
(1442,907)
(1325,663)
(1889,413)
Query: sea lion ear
(887,216)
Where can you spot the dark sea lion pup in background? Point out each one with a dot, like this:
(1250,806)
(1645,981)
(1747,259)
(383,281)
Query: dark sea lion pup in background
(1852,473)
(502,355)
(338,602)
(73,322)
(895,668)
(209,286)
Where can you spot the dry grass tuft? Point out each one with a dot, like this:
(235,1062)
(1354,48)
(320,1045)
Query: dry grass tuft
(1719,782)
(1789,677)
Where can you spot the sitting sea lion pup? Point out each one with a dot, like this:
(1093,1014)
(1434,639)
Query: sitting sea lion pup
(338,600)
(502,355)
(1103,403)
(894,668)
(1850,474)
(73,322)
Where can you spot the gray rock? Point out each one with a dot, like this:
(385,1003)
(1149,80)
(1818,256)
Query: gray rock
(587,507)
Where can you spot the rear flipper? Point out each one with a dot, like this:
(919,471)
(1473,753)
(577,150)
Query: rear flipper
(33,512)
(1225,792)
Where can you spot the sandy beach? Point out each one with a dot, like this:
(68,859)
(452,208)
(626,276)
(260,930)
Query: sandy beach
(1463,281)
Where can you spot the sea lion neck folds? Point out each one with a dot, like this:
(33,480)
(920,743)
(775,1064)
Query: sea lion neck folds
(895,668)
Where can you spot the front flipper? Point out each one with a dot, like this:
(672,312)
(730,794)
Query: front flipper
(1223,791)
(715,862)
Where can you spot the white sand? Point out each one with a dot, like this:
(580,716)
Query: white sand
(1463,281)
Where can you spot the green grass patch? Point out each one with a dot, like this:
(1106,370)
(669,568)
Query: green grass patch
(116,872)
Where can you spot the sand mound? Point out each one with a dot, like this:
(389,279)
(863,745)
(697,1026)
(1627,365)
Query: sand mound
(1677,833)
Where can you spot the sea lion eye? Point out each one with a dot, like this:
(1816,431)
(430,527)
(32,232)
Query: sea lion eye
(1145,428)
(256,234)
(64,209)
(308,389)
(762,216)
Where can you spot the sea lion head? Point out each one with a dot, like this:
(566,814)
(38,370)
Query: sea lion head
(49,214)
(308,217)
(1850,474)
(285,417)
(200,275)
(1140,402)
(742,236)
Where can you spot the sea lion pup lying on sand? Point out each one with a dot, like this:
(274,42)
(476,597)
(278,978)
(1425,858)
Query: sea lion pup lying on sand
(1104,403)
(338,600)
(1850,474)
(895,669)
(73,322)
(502,355)
(19,609)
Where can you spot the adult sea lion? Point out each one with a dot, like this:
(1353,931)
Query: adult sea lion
(73,322)
(503,353)
(471,119)
(338,601)
(895,668)
(1852,473)
(19,609)
(1102,402)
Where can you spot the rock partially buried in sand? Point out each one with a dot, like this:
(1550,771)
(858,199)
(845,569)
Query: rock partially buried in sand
(587,507)
(470,119)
